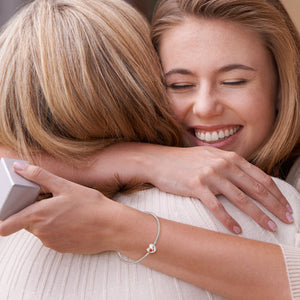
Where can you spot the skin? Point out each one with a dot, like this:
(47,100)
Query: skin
(240,261)
(206,172)
(224,172)
(227,100)
(233,259)
(232,89)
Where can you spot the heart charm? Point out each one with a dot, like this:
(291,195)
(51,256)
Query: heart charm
(151,248)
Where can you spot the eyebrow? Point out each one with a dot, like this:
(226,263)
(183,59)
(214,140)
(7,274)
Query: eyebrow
(235,66)
(179,71)
(226,68)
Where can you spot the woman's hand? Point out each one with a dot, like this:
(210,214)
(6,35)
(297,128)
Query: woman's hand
(76,219)
(203,173)
(199,172)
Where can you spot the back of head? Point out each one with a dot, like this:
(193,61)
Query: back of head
(271,22)
(80,75)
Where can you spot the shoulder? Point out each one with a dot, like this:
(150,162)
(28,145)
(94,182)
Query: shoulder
(290,193)
(292,196)
(169,206)
(286,186)
(294,175)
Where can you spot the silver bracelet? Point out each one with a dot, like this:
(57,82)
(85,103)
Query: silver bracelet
(151,248)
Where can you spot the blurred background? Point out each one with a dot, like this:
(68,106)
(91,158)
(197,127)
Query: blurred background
(8,7)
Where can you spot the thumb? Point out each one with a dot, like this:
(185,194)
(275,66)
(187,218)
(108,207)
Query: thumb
(48,181)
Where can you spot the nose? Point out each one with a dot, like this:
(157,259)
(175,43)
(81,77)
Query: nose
(207,103)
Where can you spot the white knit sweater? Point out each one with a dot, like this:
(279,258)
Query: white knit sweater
(30,271)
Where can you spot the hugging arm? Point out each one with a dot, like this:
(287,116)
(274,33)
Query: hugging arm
(234,267)
(198,172)
(202,173)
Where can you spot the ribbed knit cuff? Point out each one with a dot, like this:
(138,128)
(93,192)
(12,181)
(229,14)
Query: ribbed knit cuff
(292,262)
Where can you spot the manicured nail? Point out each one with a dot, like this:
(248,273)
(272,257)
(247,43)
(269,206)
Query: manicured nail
(19,166)
(289,208)
(237,229)
(289,217)
(272,225)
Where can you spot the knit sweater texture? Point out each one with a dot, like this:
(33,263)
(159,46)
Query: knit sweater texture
(30,271)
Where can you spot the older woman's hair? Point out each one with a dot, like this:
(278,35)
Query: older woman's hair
(270,20)
(79,75)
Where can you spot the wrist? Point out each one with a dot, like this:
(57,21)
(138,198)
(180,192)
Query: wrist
(144,162)
(137,230)
(151,249)
(122,161)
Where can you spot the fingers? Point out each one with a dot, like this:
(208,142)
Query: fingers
(240,200)
(260,193)
(48,181)
(267,183)
(238,187)
(215,206)
(17,221)
(247,205)
(262,188)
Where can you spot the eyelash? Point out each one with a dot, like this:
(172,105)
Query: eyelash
(188,86)
(179,86)
(239,82)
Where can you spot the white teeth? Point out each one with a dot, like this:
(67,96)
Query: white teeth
(221,134)
(215,136)
(227,133)
(207,137)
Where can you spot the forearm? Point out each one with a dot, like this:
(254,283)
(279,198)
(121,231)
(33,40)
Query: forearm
(234,267)
(115,166)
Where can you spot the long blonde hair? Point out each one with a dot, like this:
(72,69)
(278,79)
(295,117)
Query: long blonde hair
(271,21)
(79,75)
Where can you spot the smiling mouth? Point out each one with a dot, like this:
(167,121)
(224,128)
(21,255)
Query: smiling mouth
(216,135)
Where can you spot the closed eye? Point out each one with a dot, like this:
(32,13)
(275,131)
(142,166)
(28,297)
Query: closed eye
(234,82)
(180,86)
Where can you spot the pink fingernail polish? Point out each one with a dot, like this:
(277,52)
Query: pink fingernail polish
(237,230)
(289,217)
(289,208)
(19,166)
(272,225)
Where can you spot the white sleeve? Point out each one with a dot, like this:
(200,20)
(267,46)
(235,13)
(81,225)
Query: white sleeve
(294,175)
(291,251)
(292,261)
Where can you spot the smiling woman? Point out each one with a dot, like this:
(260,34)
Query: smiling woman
(271,69)
(216,85)
(229,99)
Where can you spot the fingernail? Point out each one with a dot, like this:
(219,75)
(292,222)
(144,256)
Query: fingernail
(19,166)
(237,229)
(272,225)
(289,217)
(289,208)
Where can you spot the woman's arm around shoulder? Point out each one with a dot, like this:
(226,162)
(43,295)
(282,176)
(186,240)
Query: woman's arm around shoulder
(235,267)
(198,172)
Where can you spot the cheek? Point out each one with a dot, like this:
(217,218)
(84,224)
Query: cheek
(260,120)
(180,108)
(258,106)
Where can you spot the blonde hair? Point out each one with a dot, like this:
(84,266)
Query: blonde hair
(270,20)
(79,75)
